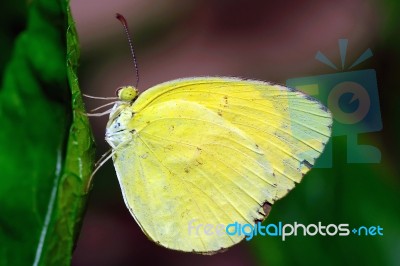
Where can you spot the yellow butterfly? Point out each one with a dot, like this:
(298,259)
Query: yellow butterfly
(194,153)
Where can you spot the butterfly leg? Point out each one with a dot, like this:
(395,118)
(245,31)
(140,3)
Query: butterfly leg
(103,159)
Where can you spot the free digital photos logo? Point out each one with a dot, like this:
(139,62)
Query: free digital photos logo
(281,230)
(352,97)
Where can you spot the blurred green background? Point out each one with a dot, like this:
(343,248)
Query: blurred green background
(267,40)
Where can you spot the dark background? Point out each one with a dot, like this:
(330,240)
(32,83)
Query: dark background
(266,40)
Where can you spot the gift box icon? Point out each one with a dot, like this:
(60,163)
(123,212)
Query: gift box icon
(352,97)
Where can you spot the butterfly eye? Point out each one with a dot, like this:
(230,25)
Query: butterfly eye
(126,93)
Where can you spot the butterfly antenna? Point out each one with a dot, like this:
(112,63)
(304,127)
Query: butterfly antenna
(125,24)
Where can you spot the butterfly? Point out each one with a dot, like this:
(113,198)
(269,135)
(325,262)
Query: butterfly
(194,153)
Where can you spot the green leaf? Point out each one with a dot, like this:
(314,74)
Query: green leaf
(46,146)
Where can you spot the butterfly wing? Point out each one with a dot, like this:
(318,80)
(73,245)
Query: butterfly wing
(208,152)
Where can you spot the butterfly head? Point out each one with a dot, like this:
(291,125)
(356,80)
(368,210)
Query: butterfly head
(127,93)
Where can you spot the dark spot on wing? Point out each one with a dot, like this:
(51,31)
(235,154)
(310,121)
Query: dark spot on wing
(323,108)
(267,208)
(212,252)
(168,147)
(307,164)
(291,89)
(308,97)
